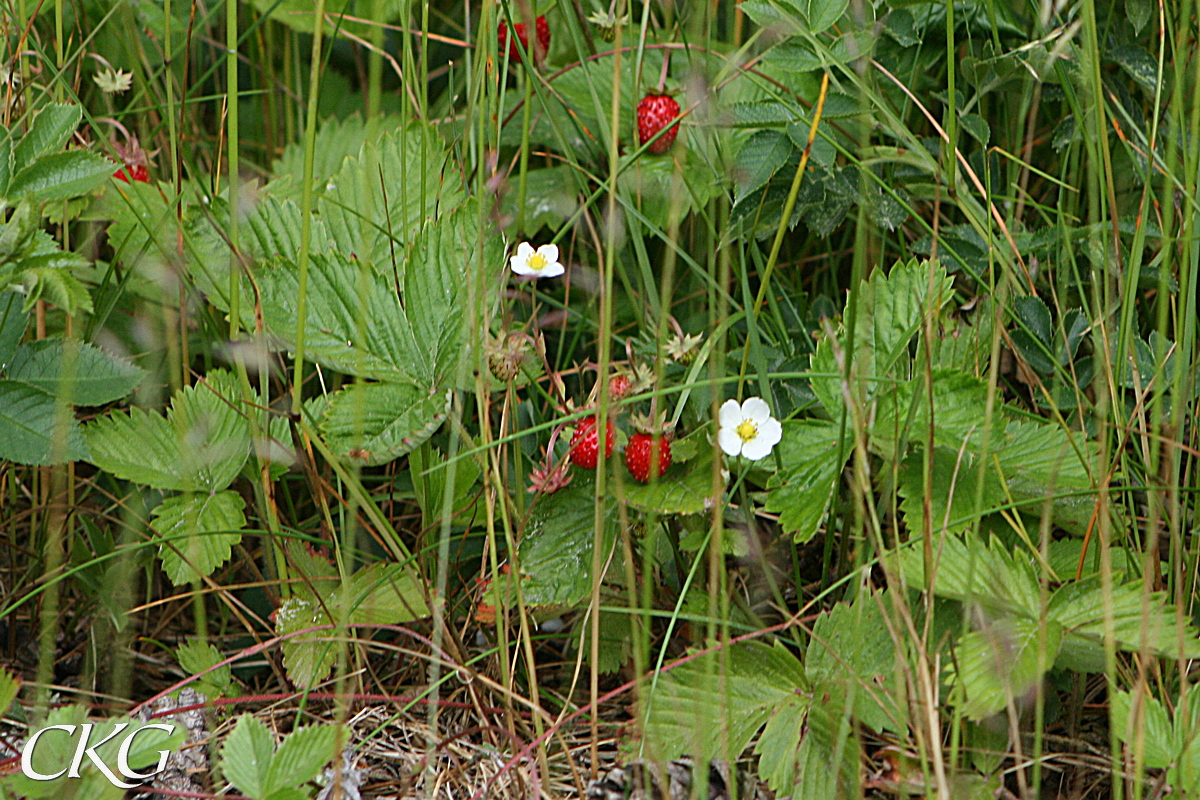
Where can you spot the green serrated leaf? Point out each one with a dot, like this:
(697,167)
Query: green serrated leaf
(301,755)
(699,709)
(246,757)
(1075,327)
(801,490)
(95,376)
(851,648)
(307,657)
(434,286)
(138,446)
(1141,620)
(429,469)
(1034,334)
(196,657)
(762,114)
(288,793)
(896,303)
(884,210)
(9,686)
(653,184)
(337,139)
(51,129)
(32,431)
(212,431)
(977,127)
(953,491)
(1002,662)
(779,741)
(818,775)
(384,594)
(1038,462)
(968,570)
(300,14)
(60,176)
(555,560)
(900,24)
(200,446)
(356,217)
(683,489)
(13,321)
(48,277)
(965,347)
(1147,723)
(768,13)
(197,533)
(762,155)
(821,14)
(380,594)
(6,161)
(616,642)
(378,422)
(356,324)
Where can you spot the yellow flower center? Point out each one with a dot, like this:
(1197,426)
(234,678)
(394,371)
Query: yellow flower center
(537,262)
(747,430)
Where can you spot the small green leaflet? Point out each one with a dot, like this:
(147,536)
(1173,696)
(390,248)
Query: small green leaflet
(712,706)
(380,594)
(199,446)
(197,532)
(94,378)
(800,491)
(32,431)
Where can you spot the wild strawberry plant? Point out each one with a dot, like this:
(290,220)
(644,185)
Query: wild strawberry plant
(886,311)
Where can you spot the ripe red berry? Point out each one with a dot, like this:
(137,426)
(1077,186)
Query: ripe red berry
(638,455)
(138,172)
(543,38)
(585,446)
(654,113)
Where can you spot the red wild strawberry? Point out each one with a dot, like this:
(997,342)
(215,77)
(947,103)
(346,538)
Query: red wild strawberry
(654,113)
(138,172)
(638,456)
(543,39)
(585,446)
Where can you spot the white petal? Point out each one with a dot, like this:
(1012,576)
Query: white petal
(519,263)
(730,415)
(551,270)
(756,408)
(770,431)
(757,448)
(549,252)
(729,440)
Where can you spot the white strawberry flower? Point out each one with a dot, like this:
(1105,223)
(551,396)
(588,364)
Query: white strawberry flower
(748,429)
(540,263)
